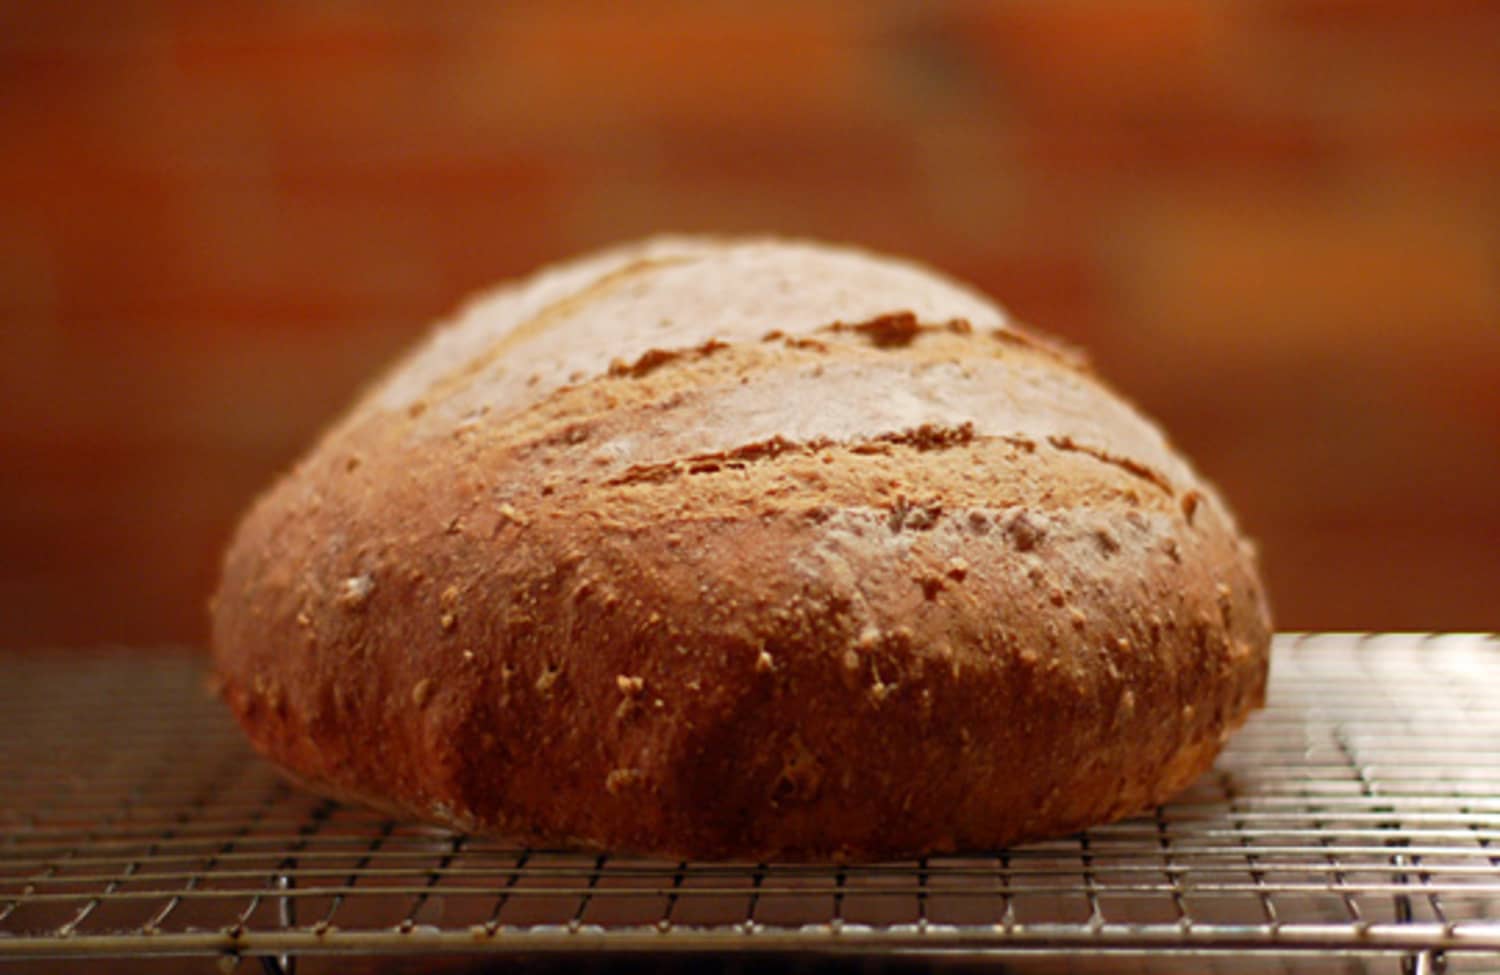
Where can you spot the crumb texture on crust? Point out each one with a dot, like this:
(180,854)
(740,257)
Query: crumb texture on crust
(742,549)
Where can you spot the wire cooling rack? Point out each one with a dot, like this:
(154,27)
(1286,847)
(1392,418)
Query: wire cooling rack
(1357,818)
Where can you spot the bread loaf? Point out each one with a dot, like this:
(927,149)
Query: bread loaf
(742,549)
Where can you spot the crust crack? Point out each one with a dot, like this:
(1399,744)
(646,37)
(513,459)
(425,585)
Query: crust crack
(545,316)
(653,359)
(928,436)
(898,329)
(1128,464)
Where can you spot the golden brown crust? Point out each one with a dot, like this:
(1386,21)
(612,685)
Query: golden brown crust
(865,588)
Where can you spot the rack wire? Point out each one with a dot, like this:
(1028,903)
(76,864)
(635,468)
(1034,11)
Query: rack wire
(1357,817)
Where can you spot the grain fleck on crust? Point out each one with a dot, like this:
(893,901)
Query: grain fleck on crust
(742,549)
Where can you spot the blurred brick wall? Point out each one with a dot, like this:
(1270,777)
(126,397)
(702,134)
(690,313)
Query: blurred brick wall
(1276,225)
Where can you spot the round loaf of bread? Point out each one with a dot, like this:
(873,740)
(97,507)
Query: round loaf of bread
(742,549)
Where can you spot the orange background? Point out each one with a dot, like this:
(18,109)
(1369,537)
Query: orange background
(1275,224)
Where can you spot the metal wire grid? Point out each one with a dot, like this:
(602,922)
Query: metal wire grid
(1358,815)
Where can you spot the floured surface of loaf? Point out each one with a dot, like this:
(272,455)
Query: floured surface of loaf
(742,549)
